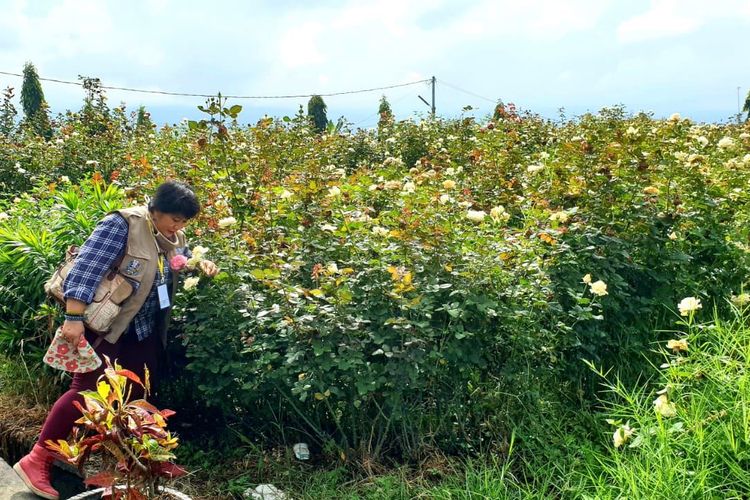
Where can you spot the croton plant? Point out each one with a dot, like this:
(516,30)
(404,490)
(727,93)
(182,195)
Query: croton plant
(130,435)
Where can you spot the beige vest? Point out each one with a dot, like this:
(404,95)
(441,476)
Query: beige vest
(140,264)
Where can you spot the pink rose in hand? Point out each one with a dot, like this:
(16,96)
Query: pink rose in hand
(178,262)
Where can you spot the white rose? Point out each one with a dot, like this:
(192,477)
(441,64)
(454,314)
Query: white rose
(227,221)
(622,435)
(664,407)
(688,305)
(476,215)
(599,288)
(534,168)
(191,282)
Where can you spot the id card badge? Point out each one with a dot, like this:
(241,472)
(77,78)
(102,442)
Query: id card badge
(163,296)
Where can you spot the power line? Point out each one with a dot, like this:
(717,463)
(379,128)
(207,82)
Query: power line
(186,94)
(493,101)
(392,103)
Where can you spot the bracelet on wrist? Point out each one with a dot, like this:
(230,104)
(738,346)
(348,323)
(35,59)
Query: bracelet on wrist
(74,317)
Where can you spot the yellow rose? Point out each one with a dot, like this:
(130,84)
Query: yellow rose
(678,345)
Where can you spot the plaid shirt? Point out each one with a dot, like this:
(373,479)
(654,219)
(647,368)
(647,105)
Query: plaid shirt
(95,259)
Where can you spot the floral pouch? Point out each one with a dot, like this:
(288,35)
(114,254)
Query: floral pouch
(64,356)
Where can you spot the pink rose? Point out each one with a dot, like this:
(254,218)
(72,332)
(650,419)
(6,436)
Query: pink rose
(178,262)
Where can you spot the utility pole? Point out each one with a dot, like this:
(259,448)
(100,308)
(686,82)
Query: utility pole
(432,106)
(433,96)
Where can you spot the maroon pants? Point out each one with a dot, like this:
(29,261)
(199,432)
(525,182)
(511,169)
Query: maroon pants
(129,352)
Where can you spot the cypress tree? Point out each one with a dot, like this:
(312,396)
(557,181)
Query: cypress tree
(33,103)
(316,112)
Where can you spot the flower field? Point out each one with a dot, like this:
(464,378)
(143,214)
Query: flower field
(438,287)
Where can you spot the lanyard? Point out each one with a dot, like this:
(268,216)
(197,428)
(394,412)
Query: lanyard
(160,263)
(159,260)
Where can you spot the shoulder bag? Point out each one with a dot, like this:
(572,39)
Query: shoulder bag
(113,290)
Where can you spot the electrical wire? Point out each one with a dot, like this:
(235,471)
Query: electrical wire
(493,101)
(186,94)
(392,103)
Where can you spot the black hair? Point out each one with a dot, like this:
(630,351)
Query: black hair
(174,197)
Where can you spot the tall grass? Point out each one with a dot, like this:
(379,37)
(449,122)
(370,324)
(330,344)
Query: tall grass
(696,442)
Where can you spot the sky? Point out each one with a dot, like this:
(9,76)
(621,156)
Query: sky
(659,56)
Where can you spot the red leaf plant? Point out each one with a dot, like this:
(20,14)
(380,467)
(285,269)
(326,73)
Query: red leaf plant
(131,436)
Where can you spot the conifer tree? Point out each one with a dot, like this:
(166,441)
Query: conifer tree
(33,103)
(316,112)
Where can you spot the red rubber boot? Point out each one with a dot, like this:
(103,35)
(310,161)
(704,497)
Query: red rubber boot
(34,470)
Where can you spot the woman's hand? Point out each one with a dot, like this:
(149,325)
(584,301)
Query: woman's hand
(72,331)
(208,268)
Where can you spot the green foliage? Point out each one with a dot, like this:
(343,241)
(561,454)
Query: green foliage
(316,111)
(7,114)
(683,434)
(143,121)
(32,246)
(385,113)
(95,112)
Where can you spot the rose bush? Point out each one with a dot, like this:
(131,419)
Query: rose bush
(420,285)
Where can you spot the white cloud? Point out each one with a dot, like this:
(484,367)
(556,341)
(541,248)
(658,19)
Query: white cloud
(533,19)
(298,46)
(669,18)
(665,18)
